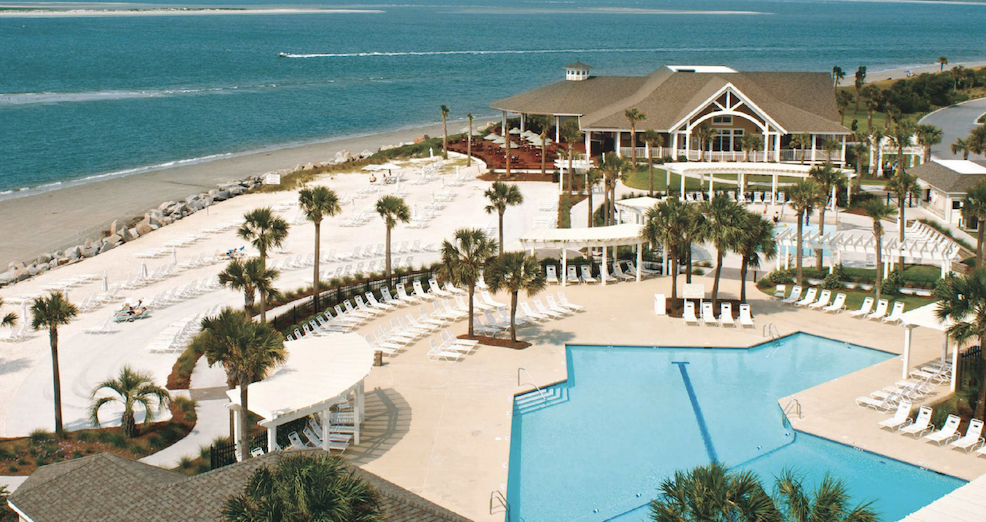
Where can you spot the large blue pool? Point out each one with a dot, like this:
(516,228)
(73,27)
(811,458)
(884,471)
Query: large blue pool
(628,417)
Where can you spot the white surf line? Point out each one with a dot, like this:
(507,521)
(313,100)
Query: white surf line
(68,13)
(517,51)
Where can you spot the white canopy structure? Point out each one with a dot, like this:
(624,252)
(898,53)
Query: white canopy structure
(319,373)
(595,237)
(634,209)
(926,317)
(699,169)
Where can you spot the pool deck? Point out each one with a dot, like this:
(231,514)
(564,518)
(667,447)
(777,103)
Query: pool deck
(442,429)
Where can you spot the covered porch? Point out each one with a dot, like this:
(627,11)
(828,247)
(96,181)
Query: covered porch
(607,238)
(743,170)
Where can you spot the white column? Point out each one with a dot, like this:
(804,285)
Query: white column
(944,348)
(324,418)
(766,144)
(712,183)
(777,147)
(682,194)
(879,160)
(241,453)
(564,265)
(640,259)
(646,149)
(503,126)
(523,122)
(557,129)
(955,367)
(773,188)
(674,146)
(833,205)
(813,148)
(787,257)
(667,182)
(907,352)
(588,144)
(688,144)
(603,272)
(619,140)
(271,437)
(944,269)
(842,154)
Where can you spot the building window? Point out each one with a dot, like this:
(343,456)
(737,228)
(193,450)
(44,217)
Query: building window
(727,140)
(722,120)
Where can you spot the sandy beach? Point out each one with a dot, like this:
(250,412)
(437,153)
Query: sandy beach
(876,75)
(52,220)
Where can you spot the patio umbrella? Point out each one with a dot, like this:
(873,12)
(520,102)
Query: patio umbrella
(477,132)
(500,140)
(431,152)
(414,211)
(106,287)
(143,269)
(491,136)
(515,131)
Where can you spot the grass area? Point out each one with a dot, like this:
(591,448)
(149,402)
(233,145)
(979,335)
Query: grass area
(640,180)
(181,373)
(854,298)
(873,182)
(914,275)
(937,226)
(23,455)
(879,118)
(565,203)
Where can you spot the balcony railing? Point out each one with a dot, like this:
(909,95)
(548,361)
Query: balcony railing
(786,155)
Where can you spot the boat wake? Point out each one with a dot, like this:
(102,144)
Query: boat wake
(518,51)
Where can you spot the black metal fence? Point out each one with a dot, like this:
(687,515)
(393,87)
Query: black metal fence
(224,454)
(971,367)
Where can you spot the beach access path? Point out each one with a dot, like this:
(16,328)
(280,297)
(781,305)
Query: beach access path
(955,121)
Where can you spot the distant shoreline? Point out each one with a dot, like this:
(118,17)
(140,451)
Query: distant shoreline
(7,12)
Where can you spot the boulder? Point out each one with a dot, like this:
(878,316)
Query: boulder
(221,195)
(90,252)
(21,274)
(106,247)
(236,190)
(53,264)
(165,205)
(143,228)
(421,139)
(7,277)
(114,239)
(33,270)
(74,252)
(117,227)
(130,234)
(44,258)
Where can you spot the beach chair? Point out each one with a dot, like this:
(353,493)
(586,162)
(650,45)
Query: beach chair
(838,305)
(295,440)
(562,300)
(526,308)
(619,274)
(419,292)
(809,297)
(436,288)
(901,418)
(920,425)
(437,353)
(726,315)
(452,288)
(586,271)
(973,437)
(257,452)
(823,300)
(948,431)
(708,317)
(488,299)
(688,315)
(103,328)
(550,275)
(779,291)
(555,307)
(644,271)
(745,318)
(402,294)
(881,310)
(544,310)
(895,315)
(372,301)
(573,275)
(864,309)
(795,295)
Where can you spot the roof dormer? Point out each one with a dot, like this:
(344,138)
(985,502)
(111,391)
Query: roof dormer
(577,72)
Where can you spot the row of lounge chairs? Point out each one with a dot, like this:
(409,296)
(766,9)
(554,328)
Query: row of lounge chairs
(363,268)
(921,384)
(725,318)
(583,273)
(921,426)
(528,312)
(825,303)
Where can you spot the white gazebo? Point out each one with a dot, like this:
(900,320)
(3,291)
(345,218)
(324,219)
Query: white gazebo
(595,237)
(634,210)
(699,170)
(319,373)
(925,317)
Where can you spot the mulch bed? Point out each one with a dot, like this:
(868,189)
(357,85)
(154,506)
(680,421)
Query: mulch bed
(503,343)
(677,308)
(516,176)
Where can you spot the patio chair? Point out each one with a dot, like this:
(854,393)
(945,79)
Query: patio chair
(745,318)
(823,300)
(550,275)
(488,299)
(555,307)
(437,353)
(573,275)
(545,311)
(896,314)
(900,419)
(419,292)
(973,437)
(779,291)
(838,305)
(568,304)
(809,297)
(372,301)
(526,308)
(948,431)
(619,274)
(586,271)
(864,309)
(644,271)
(688,315)
(436,288)
(920,425)
(103,328)
(726,315)
(795,295)
(881,310)
(295,440)
(402,294)
(708,317)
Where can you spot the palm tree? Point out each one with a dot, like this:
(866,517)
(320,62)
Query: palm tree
(463,259)
(803,196)
(501,196)
(265,231)
(829,502)
(592,178)
(633,115)
(393,210)
(302,488)
(8,319)
(571,134)
(842,102)
(942,62)
(928,136)
(317,203)
(756,240)
(704,134)
(827,178)
(961,145)
(612,167)
(974,209)
(250,277)
(977,140)
(667,223)
(653,139)
(801,141)
(712,493)
(876,142)
(246,350)
(513,272)
(962,299)
(131,388)
(694,233)
(877,211)
(445,112)
(751,143)
(51,312)
(830,147)
(469,142)
(902,185)
(894,113)
(723,227)
(545,133)
(860,81)
(874,96)
(837,76)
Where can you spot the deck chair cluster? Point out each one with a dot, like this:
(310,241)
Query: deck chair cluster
(822,299)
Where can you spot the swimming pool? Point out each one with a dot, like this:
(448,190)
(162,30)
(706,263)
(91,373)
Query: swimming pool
(628,417)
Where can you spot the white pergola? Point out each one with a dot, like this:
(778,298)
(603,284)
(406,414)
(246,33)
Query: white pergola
(575,238)
(699,170)
(634,210)
(925,317)
(318,374)
(922,244)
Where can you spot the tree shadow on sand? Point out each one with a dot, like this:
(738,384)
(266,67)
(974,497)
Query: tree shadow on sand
(538,334)
(386,421)
(13,365)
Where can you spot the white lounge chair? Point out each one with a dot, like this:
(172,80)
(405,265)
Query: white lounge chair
(688,315)
(948,431)
(838,305)
(567,304)
(973,437)
(437,353)
(795,295)
(882,405)
(544,310)
(550,274)
(920,425)
(619,274)
(437,289)
(526,308)
(488,299)
(101,328)
(726,315)
(708,317)
(895,314)
(745,319)
(823,300)
(809,297)
(881,310)
(419,292)
(555,307)
(573,275)
(864,309)
(901,418)
(586,272)
(779,291)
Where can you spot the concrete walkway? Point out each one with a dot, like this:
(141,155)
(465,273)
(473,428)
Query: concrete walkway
(956,121)
(213,421)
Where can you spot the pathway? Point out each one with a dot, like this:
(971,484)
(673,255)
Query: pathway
(956,122)
(213,421)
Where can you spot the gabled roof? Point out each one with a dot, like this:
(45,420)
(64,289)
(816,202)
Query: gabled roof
(949,176)
(108,488)
(571,98)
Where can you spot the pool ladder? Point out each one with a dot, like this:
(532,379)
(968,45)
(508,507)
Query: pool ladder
(796,408)
(531,379)
(498,502)
(770,330)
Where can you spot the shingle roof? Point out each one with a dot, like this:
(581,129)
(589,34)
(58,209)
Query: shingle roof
(797,101)
(108,488)
(578,65)
(946,179)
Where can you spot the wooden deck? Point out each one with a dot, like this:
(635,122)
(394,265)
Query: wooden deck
(524,158)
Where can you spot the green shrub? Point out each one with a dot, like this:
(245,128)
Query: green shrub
(12,468)
(117,440)
(103,436)
(76,454)
(136,450)
(21,461)
(40,435)
(185,463)
(831,282)
(184,405)
(83,436)
(155,442)
(780,277)
(891,285)
(40,461)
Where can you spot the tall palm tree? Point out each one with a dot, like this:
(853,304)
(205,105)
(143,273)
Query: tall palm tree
(842,102)
(502,195)
(633,115)
(977,140)
(830,147)
(611,167)
(942,62)
(803,196)
(751,143)
(545,133)
(894,114)
(829,502)
(694,233)
(130,388)
(928,136)
(463,259)
(827,177)
(265,231)
(513,272)
(756,240)
(317,203)
(801,141)
(667,223)
(393,210)
(860,80)
(877,211)
(837,76)
(247,351)
(705,134)
(653,139)
(962,299)
(974,209)
(8,319)
(445,112)
(250,277)
(469,142)
(50,312)
(900,136)
(592,178)
(712,493)
(902,185)
(874,96)
(571,134)
(305,487)
(961,145)
(723,227)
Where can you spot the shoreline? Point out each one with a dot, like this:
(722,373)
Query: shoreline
(900,73)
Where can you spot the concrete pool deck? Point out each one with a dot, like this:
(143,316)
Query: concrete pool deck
(442,429)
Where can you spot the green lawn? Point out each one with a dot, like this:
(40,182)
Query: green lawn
(854,298)
(640,180)
(879,118)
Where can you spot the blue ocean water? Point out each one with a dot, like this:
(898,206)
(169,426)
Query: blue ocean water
(94,95)
(627,418)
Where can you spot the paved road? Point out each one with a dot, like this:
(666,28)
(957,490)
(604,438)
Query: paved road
(956,122)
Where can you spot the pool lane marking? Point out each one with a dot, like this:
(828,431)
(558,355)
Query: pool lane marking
(702,426)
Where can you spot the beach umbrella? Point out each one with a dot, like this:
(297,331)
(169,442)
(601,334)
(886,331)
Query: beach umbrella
(431,152)
(143,269)
(174,255)
(515,131)
(500,140)
(354,204)
(443,181)
(414,211)
(477,132)
(106,286)
(491,136)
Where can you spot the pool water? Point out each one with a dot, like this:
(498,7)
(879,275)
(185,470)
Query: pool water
(806,230)
(628,417)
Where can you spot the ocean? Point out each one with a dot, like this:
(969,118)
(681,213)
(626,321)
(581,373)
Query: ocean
(85,97)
